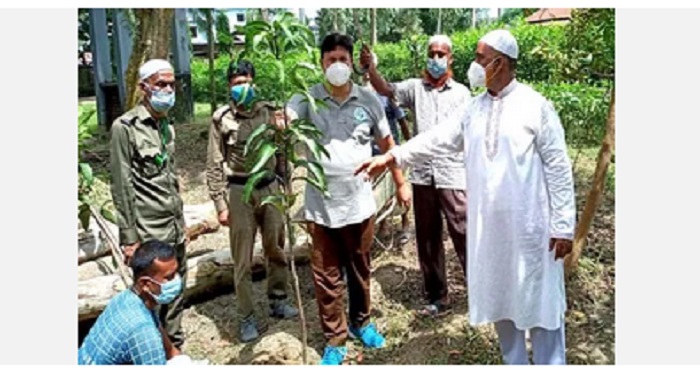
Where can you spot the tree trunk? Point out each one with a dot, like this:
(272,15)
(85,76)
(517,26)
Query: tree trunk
(210,51)
(597,189)
(373,24)
(335,20)
(151,41)
(97,284)
(439,23)
(474,11)
(358,26)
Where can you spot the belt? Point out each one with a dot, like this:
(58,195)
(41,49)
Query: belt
(241,180)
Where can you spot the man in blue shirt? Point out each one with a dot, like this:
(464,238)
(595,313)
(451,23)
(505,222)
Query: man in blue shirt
(128,331)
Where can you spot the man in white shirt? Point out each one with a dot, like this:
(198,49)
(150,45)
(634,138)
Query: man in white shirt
(439,183)
(521,205)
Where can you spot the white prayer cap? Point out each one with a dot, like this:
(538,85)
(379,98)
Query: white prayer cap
(440,39)
(502,41)
(153,66)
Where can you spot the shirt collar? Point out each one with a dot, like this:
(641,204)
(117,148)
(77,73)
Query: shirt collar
(447,85)
(354,92)
(143,114)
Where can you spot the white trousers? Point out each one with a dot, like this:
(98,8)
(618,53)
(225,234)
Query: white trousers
(548,346)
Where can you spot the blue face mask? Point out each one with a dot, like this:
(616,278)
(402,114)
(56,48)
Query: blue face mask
(162,101)
(437,68)
(168,290)
(242,94)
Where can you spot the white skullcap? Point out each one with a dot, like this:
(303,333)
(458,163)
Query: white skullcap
(440,39)
(152,67)
(502,41)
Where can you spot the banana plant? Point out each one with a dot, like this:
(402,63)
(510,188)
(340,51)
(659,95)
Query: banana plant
(283,53)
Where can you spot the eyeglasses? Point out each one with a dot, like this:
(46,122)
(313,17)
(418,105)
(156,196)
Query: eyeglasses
(440,54)
(163,84)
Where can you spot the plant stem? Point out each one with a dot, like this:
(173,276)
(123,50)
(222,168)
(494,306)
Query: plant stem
(297,291)
(289,192)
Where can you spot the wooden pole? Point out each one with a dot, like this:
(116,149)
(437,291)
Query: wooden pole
(114,245)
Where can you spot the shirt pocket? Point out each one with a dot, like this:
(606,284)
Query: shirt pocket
(148,161)
(234,140)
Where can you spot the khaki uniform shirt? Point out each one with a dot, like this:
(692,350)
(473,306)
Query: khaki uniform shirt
(145,187)
(228,135)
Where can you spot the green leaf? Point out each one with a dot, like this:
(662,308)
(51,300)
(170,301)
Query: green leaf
(308,35)
(320,104)
(299,82)
(315,183)
(258,26)
(86,173)
(305,130)
(292,199)
(108,215)
(280,71)
(307,66)
(84,216)
(277,200)
(306,125)
(287,34)
(252,181)
(267,150)
(316,170)
(311,100)
(254,136)
(315,148)
(259,38)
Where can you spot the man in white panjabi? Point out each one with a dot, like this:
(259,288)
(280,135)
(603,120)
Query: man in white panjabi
(521,205)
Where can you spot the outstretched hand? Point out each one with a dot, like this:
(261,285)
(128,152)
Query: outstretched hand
(373,167)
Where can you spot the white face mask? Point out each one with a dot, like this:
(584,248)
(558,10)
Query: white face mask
(477,75)
(338,74)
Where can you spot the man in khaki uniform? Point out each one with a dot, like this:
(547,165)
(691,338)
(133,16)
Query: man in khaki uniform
(229,131)
(145,187)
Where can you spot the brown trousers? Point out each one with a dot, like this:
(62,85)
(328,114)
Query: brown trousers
(428,203)
(334,249)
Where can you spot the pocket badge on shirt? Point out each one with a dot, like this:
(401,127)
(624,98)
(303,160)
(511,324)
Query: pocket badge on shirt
(360,115)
